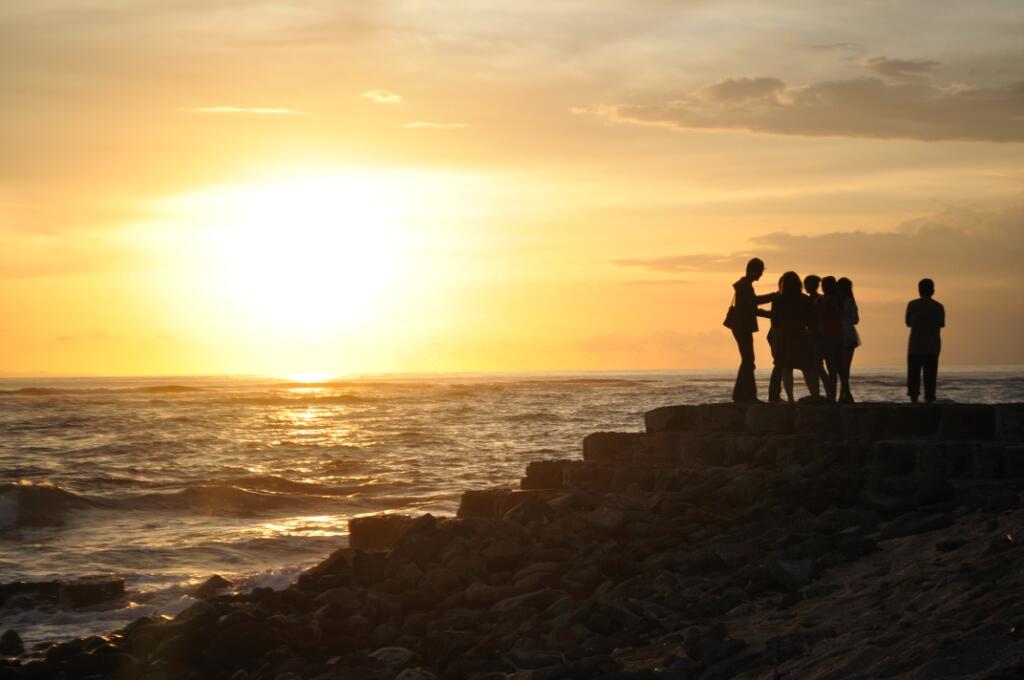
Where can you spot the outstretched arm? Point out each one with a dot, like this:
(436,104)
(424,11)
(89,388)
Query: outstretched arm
(910,320)
(764,299)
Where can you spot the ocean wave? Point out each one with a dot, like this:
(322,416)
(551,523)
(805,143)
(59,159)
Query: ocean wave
(40,504)
(145,389)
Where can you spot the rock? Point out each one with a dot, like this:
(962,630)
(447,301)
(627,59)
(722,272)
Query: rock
(540,599)
(89,591)
(212,587)
(503,555)
(393,659)
(770,418)
(628,447)
(744,490)
(531,659)
(11,644)
(377,532)
(606,519)
(484,595)
(968,421)
(673,419)
(915,523)
(544,474)
(344,598)
(25,595)
(855,545)
(987,461)
(415,674)
(792,575)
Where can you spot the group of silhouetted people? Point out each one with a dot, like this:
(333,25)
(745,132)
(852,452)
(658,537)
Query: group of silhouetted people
(814,329)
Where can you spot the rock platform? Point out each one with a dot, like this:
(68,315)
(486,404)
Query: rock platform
(722,541)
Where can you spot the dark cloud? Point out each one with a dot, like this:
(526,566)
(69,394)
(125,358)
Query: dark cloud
(912,108)
(900,69)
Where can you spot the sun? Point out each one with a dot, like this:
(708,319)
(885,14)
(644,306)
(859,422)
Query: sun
(305,256)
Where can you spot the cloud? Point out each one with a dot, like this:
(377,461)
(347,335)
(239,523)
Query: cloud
(900,108)
(383,96)
(851,46)
(255,111)
(743,89)
(422,124)
(900,69)
(992,241)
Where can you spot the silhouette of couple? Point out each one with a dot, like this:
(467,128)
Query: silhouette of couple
(817,333)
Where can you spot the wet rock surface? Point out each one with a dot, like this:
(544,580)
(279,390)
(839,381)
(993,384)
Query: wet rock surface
(731,542)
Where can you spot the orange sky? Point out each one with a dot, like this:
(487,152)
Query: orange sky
(244,187)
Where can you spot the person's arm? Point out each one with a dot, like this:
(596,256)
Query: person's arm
(764,299)
(854,314)
(942,316)
(765,313)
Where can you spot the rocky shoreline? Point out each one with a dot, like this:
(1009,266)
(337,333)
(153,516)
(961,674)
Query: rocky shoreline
(724,541)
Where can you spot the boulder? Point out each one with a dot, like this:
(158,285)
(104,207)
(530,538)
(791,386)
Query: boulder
(213,586)
(629,447)
(915,523)
(377,532)
(863,421)
(26,595)
(544,474)
(415,674)
(987,461)
(791,575)
(90,591)
(770,418)
(968,421)
(11,644)
(819,419)
(913,420)
(673,419)
(393,659)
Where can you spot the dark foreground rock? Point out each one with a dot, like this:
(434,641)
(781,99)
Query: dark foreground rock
(735,543)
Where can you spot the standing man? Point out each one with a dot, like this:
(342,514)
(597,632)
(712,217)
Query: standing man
(743,323)
(925,318)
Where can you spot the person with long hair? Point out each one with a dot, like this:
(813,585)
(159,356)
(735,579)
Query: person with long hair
(777,379)
(850,317)
(791,315)
(829,312)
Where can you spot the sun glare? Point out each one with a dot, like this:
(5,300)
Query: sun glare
(303,257)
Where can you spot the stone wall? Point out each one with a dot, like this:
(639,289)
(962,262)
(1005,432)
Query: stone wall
(947,441)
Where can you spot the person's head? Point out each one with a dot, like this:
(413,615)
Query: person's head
(926,288)
(755,268)
(828,286)
(811,283)
(845,288)
(790,284)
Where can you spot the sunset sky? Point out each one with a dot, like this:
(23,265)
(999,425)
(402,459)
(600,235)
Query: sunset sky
(235,186)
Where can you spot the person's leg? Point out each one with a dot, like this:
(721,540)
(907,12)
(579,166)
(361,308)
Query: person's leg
(787,382)
(775,384)
(831,372)
(844,373)
(913,376)
(811,380)
(931,372)
(746,386)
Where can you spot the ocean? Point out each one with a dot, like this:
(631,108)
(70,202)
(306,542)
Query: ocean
(165,482)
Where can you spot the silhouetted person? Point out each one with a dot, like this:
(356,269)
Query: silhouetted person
(817,361)
(791,315)
(851,339)
(742,320)
(925,317)
(829,310)
(777,378)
